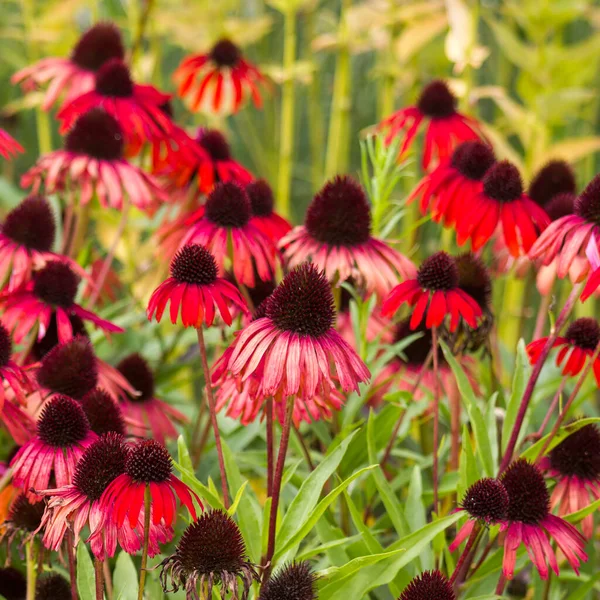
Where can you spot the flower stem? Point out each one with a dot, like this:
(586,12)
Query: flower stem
(436,420)
(283,446)
(213,416)
(513,300)
(553,405)
(541,316)
(286,135)
(461,561)
(31,569)
(141,29)
(270,447)
(501,584)
(143,569)
(72,568)
(562,317)
(98,569)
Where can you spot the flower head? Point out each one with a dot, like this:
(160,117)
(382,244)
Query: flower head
(262,206)
(211,550)
(554,178)
(336,237)
(23,520)
(295,581)
(446,127)
(52,586)
(13,585)
(218,82)
(195,288)
(430,585)
(103,413)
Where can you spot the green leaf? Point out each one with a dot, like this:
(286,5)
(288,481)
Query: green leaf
(517,52)
(233,508)
(581,593)
(520,378)
(125,579)
(203,491)
(86,579)
(318,512)
(309,553)
(581,514)
(484,448)
(414,513)
(183,454)
(308,495)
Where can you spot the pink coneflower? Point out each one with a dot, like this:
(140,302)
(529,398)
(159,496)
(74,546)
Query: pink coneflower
(218,82)
(52,291)
(593,257)
(445,127)
(486,502)
(579,343)
(430,585)
(336,236)
(63,433)
(435,294)
(575,464)
(226,231)
(92,164)
(263,215)
(77,505)
(566,238)
(294,344)
(148,466)
(195,288)
(502,205)
(455,184)
(142,406)
(75,75)
(9,147)
(530,522)
(135,107)
(13,378)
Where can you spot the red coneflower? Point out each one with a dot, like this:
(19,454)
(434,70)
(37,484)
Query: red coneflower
(148,467)
(566,238)
(336,236)
(77,505)
(135,107)
(530,522)
(195,288)
(142,406)
(211,550)
(579,342)
(430,585)
(226,231)
(9,147)
(296,580)
(51,291)
(219,81)
(575,464)
(445,128)
(295,344)
(63,433)
(455,184)
(263,216)
(92,164)
(12,376)
(486,502)
(103,413)
(502,204)
(435,294)
(75,75)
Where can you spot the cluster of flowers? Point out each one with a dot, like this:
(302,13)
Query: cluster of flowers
(77,419)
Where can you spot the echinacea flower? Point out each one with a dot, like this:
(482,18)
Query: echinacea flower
(579,343)
(52,586)
(52,291)
(135,107)
(77,505)
(13,585)
(455,184)
(9,147)
(211,551)
(435,294)
(23,520)
(486,502)
(430,585)
(218,82)
(195,291)
(336,237)
(530,522)
(12,376)
(226,231)
(63,433)
(502,205)
(444,126)
(294,346)
(92,164)
(295,580)
(144,409)
(575,464)
(103,413)
(554,178)
(566,239)
(75,75)
(264,216)
(148,466)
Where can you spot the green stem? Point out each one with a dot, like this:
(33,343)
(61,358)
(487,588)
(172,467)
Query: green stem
(315,116)
(512,309)
(286,136)
(30,553)
(147,499)
(337,141)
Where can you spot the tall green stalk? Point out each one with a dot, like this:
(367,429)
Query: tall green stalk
(315,114)
(286,135)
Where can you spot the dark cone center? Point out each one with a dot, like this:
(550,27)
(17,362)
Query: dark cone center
(31,224)
(486,500)
(225,54)
(56,284)
(103,413)
(138,373)
(474,279)
(24,515)
(261,198)
(587,205)
(228,206)
(52,587)
(96,134)
(473,159)
(430,585)
(5,346)
(502,182)
(215,144)
(529,500)
(561,205)
(148,462)
(97,46)
(438,273)
(113,80)
(556,177)
(584,333)
(579,454)
(437,101)
(62,423)
(194,264)
(295,581)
